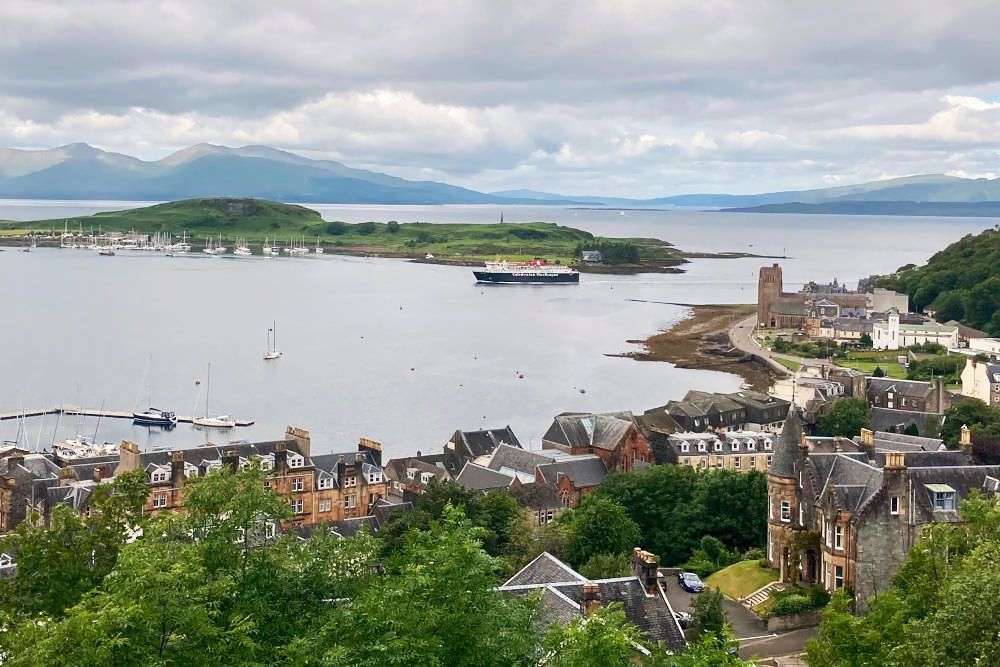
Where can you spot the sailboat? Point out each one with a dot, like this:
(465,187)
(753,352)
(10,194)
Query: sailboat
(269,250)
(153,416)
(208,421)
(272,343)
(319,248)
(242,249)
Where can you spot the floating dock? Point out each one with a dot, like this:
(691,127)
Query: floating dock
(89,412)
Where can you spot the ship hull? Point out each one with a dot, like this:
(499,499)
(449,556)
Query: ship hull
(526,278)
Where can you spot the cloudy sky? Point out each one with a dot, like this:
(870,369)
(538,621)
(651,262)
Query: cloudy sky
(615,97)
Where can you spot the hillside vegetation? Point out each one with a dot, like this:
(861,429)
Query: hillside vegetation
(256,220)
(961,282)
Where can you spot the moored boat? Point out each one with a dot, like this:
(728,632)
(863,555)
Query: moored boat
(155,417)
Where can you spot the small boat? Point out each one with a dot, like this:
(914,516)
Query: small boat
(106,252)
(272,343)
(82,447)
(209,421)
(242,250)
(319,248)
(428,256)
(221,421)
(269,250)
(155,417)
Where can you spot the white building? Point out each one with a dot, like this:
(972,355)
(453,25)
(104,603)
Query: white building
(981,379)
(891,335)
(987,345)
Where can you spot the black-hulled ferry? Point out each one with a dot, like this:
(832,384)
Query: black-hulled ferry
(535,272)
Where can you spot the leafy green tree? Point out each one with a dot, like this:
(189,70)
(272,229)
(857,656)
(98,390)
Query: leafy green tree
(336,228)
(710,556)
(606,566)
(709,651)
(966,411)
(911,429)
(392,227)
(603,638)
(865,341)
(708,614)
(366,228)
(436,605)
(600,526)
(878,372)
(847,418)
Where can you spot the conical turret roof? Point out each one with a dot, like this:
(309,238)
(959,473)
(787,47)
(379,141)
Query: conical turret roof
(787,449)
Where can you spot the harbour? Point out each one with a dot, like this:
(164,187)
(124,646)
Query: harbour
(92,412)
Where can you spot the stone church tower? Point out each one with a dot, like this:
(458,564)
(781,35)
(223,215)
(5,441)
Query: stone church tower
(769,287)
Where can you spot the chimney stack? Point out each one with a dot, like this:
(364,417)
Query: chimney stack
(590,599)
(98,474)
(895,461)
(281,458)
(374,448)
(645,566)
(65,476)
(965,439)
(231,459)
(177,476)
(128,457)
(301,437)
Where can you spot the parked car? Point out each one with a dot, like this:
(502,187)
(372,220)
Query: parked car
(690,582)
(683,618)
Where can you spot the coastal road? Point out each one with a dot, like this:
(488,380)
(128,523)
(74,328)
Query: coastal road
(741,336)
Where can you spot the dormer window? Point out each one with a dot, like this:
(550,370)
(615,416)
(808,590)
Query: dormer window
(350,481)
(702,447)
(767,445)
(751,445)
(685,447)
(326,482)
(735,445)
(411,473)
(374,477)
(944,496)
(296,461)
(159,475)
(426,477)
(718,445)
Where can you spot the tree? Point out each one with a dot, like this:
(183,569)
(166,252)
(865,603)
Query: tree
(878,372)
(392,227)
(950,306)
(600,526)
(911,429)
(366,228)
(865,341)
(708,617)
(709,651)
(603,638)
(847,418)
(336,228)
(606,566)
(968,412)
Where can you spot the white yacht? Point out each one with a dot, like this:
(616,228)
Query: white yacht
(319,248)
(272,351)
(208,420)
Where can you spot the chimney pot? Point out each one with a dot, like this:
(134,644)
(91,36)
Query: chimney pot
(590,598)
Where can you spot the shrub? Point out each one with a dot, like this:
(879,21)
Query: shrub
(424,237)
(753,553)
(392,227)
(792,604)
(336,228)
(366,228)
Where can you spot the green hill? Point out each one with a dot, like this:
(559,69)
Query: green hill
(961,282)
(257,219)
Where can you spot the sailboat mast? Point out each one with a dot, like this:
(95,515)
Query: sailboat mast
(208,388)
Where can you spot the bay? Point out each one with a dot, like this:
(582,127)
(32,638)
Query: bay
(400,352)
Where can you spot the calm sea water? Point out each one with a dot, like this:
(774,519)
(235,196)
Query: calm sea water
(400,352)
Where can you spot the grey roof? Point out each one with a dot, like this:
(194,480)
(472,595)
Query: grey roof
(888,441)
(963,479)
(515,458)
(885,418)
(477,478)
(920,459)
(730,442)
(908,388)
(545,569)
(576,429)
(535,496)
(756,399)
(481,443)
(562,588)
(786,307)
(787,448)
(584,470)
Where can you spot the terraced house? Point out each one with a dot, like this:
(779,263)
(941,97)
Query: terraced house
(844,513)
(733,450)
(323,488)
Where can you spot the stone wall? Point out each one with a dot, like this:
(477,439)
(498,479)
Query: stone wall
(805,619)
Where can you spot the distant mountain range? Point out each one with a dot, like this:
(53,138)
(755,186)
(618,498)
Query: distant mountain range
(80,171)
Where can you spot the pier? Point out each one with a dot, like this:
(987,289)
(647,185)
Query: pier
(89,412)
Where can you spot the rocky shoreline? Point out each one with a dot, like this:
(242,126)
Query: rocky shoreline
(701,341)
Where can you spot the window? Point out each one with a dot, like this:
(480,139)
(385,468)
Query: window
(159,475)
(411,473)
(827,578)
(838,577)
(828,532)
(752,445)
(838,537)
(298,505)
(944,500)
(770,549)
(267,484)
(718,445)
(685,447)
(374,477)
(786,511)
(767,445)
(769,460)
(350,502)
(350,481)
(266,464)
(894,505)
(802,514)
(298,484)
(701,446)
(544,517)
(159,500)
(324,505)
(326,482)
(269,530)
(736,461)
(372,499)
(296,461)
(426,477)
(770,510)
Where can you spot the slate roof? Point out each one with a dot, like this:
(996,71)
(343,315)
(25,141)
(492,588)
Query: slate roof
(481,443)
(787,447)
(515,458)
(730,442)
(562,588)
(585,470)
(885,418)
(478,478)
(535,496)
(577,429)
(908,388)
(903,442)
(963,479)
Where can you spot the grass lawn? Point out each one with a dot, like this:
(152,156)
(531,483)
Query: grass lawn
(788,363)
(891,368)
(741,579)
